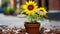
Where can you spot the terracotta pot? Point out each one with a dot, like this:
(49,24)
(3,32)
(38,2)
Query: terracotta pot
(32,28)
(9,13)
(6,13)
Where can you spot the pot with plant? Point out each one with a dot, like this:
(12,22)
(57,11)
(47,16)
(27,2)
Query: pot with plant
(34,14)
(5,11)
(10,10)
(18,11)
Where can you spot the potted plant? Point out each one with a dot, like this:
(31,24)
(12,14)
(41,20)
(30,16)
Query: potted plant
(10,10)
(5,11)
(18,11)
(33,14)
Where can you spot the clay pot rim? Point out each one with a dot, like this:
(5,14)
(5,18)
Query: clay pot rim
(31,23)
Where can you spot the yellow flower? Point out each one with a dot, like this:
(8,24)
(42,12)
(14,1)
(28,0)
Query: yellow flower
(30,7)
(42,11)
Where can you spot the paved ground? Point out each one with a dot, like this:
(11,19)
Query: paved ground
(12,21)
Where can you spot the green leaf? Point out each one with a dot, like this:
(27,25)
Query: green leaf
(41,18)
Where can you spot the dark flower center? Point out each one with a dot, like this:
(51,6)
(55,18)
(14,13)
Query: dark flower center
(30,7)
(41,10)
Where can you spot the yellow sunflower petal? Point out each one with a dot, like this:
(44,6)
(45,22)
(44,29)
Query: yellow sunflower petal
(26,2)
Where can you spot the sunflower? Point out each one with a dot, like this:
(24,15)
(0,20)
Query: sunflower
(30,7)
(42,11)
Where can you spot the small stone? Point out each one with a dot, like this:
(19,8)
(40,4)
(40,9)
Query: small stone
(26,33)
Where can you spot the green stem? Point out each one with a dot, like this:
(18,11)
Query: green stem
(31,20)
